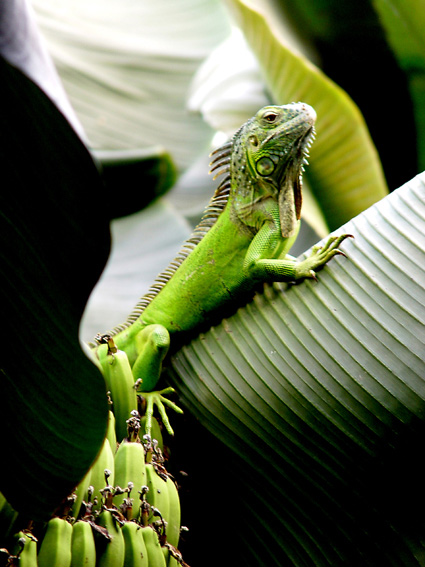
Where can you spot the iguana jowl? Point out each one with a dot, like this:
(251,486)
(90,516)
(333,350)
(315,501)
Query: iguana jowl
(242,240)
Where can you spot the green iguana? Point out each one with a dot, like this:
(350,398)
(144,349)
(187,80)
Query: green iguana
(242,240)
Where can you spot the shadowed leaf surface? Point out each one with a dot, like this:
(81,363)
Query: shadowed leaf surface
(55,237)
(144,175)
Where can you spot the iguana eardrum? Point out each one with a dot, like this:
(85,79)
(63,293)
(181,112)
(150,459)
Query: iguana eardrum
(242,240)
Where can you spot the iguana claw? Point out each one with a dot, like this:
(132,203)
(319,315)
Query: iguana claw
(319,256)
(157,399)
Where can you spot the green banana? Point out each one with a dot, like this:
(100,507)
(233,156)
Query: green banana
(157,495)
(119,382)
(155,556)
(170,539)
(27,553)
(166,554)
(172,562)
(112,552)
(55,550)
(82,546)
(134,546)
(163,496)
(130,467)
(158,491)
(81,492)
(110,432)
(104,461)
(102,352)
(174,513)
(156,433)
(170,554)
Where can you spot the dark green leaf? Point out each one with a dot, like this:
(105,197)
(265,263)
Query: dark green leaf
(354,48)
(403,24)
(134,178)
(55,237)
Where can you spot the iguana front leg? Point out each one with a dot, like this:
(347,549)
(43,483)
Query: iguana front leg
(260,264)
(319,256)
(152,344)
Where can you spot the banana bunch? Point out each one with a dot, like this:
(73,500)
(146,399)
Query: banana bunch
(125,512)
(137,525)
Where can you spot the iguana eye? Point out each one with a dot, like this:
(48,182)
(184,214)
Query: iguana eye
(265,166)
(270,117)
(253,140)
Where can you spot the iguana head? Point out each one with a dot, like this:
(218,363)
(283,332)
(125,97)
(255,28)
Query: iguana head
(268,154)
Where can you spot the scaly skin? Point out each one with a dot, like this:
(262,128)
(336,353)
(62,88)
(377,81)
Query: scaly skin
(246,243)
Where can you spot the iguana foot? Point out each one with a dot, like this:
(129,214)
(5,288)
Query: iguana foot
(319,256)
(157,399)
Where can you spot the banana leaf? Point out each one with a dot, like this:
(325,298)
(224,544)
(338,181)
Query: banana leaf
(403,22)
(127,69)
(316,393)
(373,49)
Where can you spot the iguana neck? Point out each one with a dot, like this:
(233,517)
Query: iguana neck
(267,160)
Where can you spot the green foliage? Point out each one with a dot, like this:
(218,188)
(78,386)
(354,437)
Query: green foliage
(352,44)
